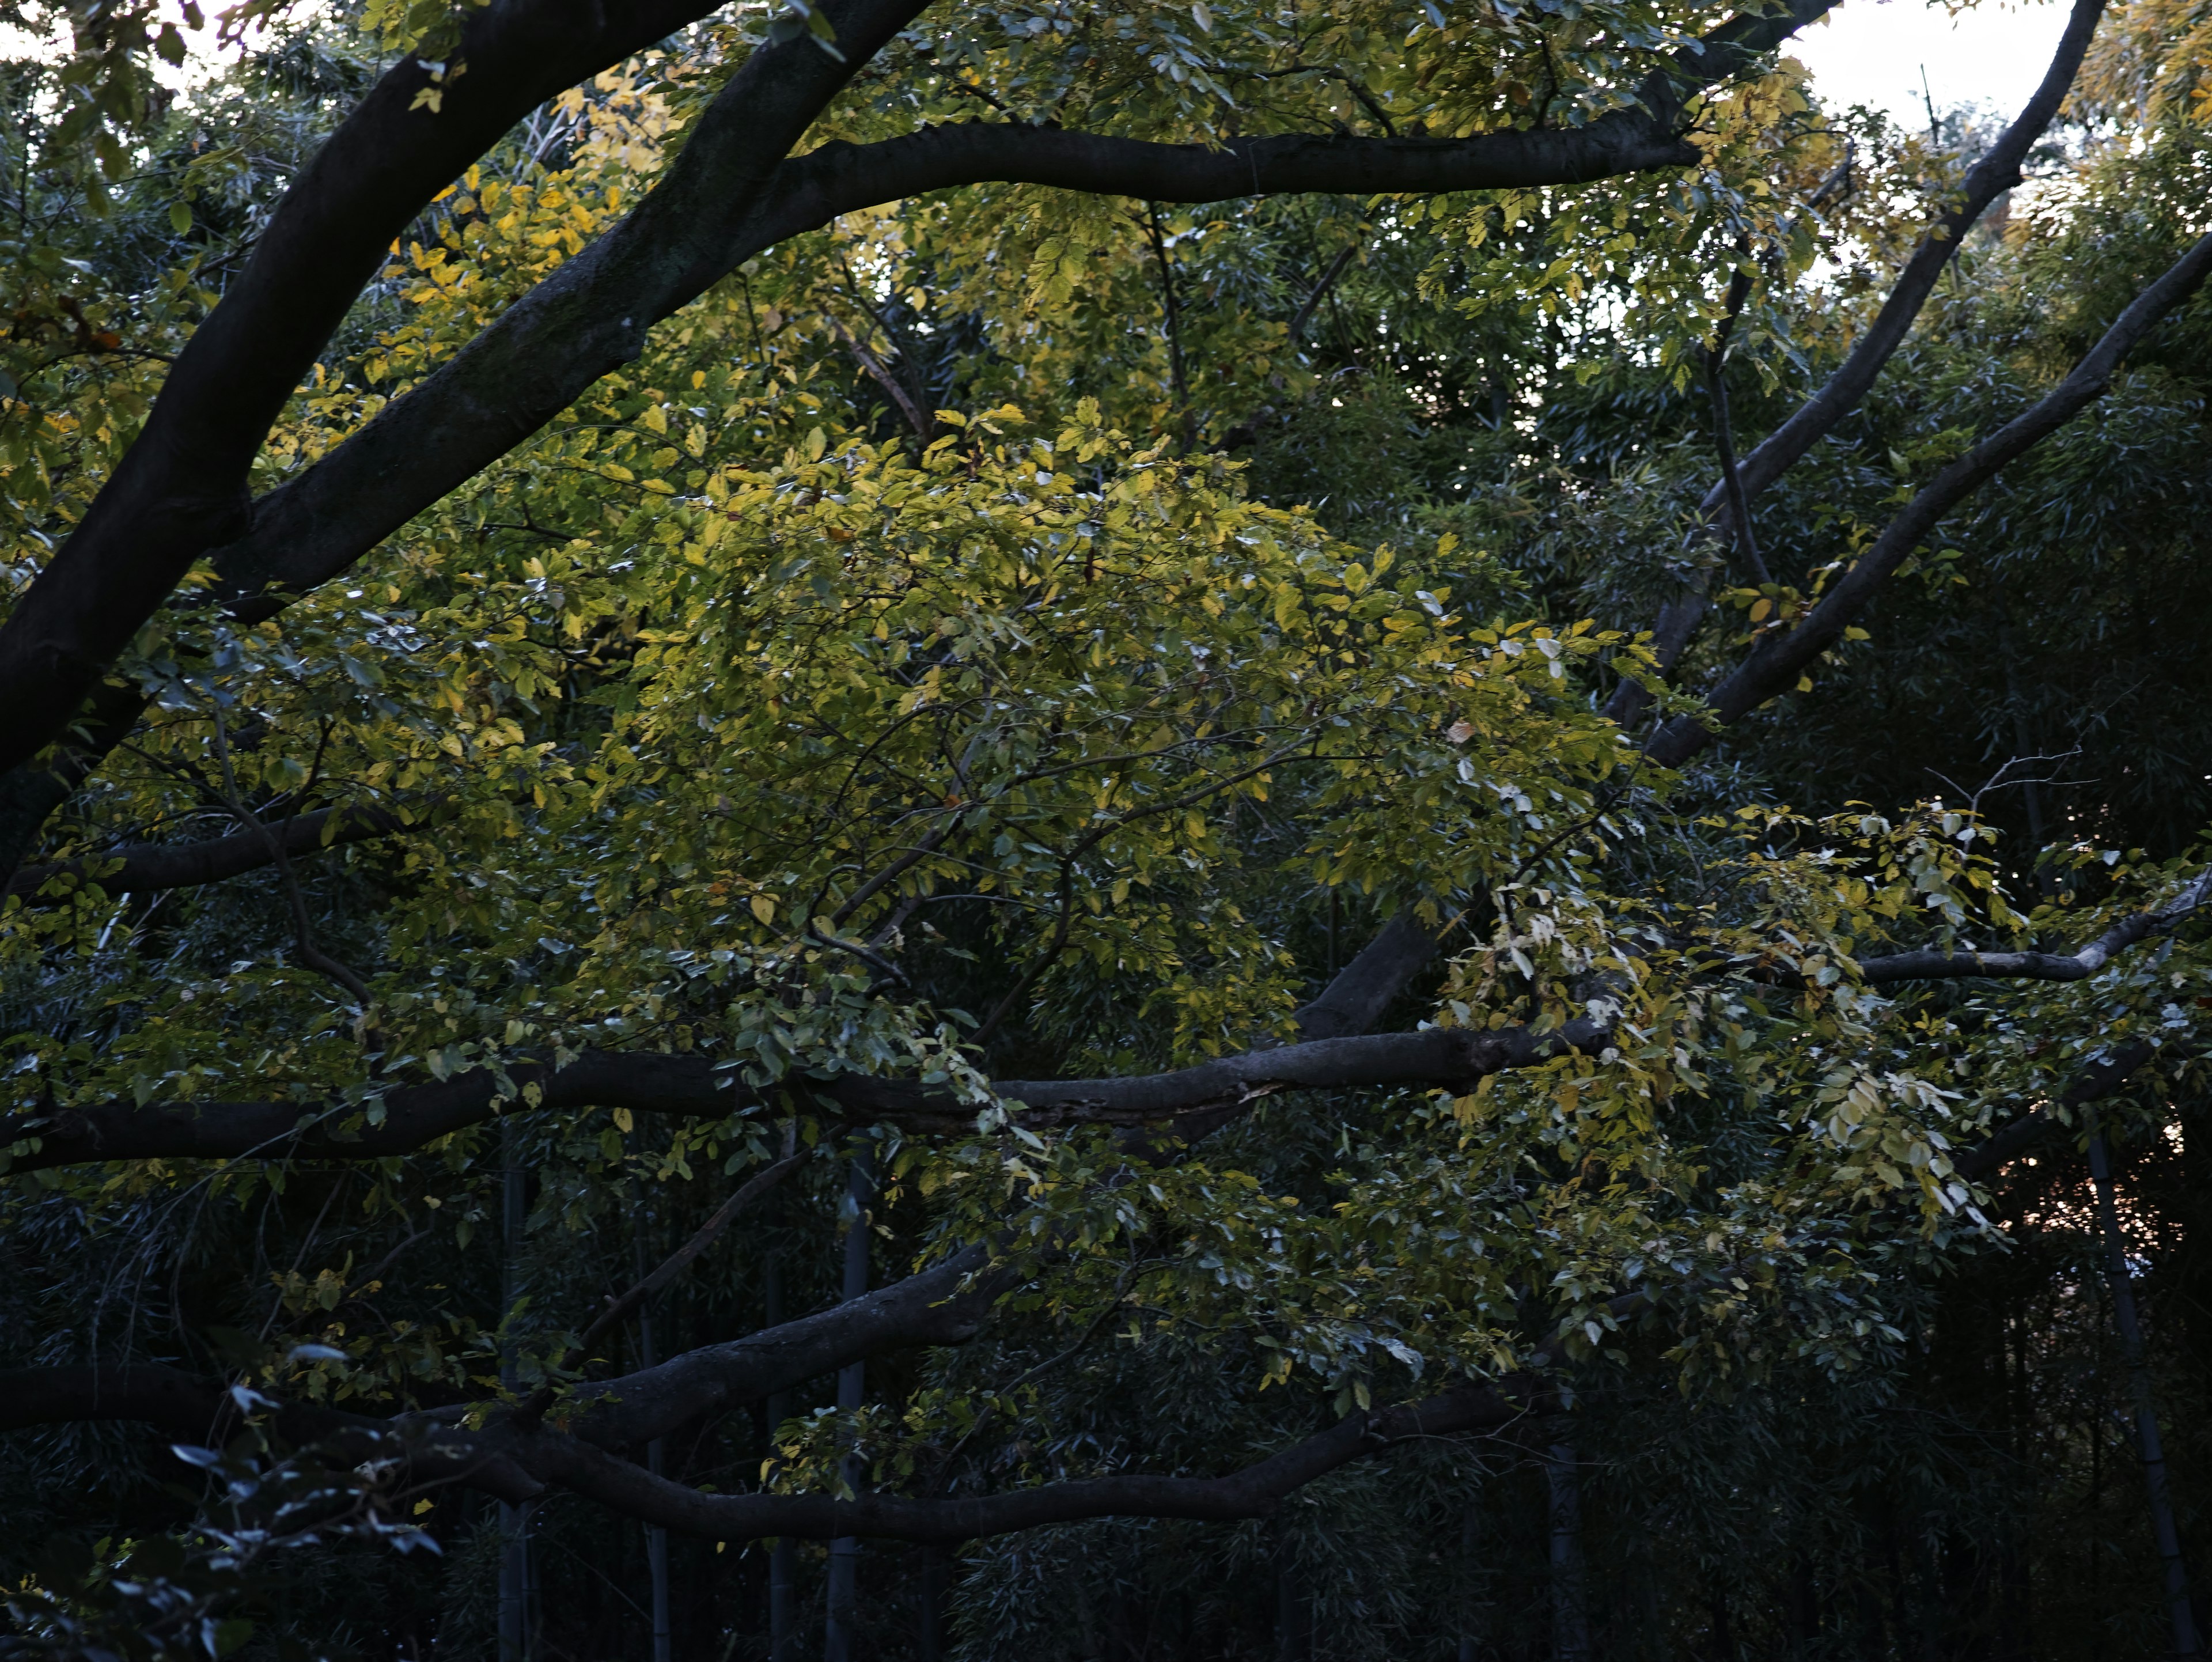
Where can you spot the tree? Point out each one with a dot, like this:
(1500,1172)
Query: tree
(918,737)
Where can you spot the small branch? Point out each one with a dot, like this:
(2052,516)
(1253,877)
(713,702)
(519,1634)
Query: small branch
(147,867)
(1303,315)
(302,932)
(1782,657)
(1715,356)
(2080,966)
(1173,318)
(893,388)
(685,1256)
(1032,1375)
(1367,101)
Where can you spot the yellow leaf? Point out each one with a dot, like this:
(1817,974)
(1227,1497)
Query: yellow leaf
(763,906)
(624,1121)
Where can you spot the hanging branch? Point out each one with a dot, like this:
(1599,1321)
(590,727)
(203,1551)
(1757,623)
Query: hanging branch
(1174,318)
(1723,437)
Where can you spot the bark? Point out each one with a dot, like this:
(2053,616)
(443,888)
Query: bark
(1997,172)
(693,1084)
(534,361)
(180,489)
(147,867)
(1782,657)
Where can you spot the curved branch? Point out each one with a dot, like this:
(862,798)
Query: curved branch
(1997,172)
(695,1085)
(719,204)
(1782,656)
(145,868)
(181,488)
(2098,1080)
(1251,1492)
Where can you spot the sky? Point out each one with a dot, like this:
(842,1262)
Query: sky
(1868,52)
(1875,51)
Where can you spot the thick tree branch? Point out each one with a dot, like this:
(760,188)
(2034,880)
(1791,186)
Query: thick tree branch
(1782,656)
(516,1460)
(1185,1098)
(1997,172)
(180,489)
(1251,1492)
(695,1085)
(146,868)
(719,205)
(1354,1001)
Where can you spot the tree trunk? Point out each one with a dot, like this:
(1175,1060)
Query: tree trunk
(2179,1614)
(514,1520)
(783,1557)
(852,1386)
(1570,1587)
(656,1539)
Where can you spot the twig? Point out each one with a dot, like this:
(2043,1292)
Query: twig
(1724,435)
(1182,385)
(1098,1322)
(682,1259)
(1303,315)
(532,1407)
(881,375)
(302,932)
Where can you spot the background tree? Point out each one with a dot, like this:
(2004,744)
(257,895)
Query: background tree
(1095,654)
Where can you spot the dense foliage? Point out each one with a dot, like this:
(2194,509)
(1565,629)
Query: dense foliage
(891,783)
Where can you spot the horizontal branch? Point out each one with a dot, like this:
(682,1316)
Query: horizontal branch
(729,197)
(943,1305)
(146,868)
(1253,1491)
(203,1412)
(695,1085)
(2078,965)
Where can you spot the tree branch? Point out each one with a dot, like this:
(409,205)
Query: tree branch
(682,1259)
(147,867)
(1782,656)
(1996,172)
(720,204)
(180,489)
(695,1085)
